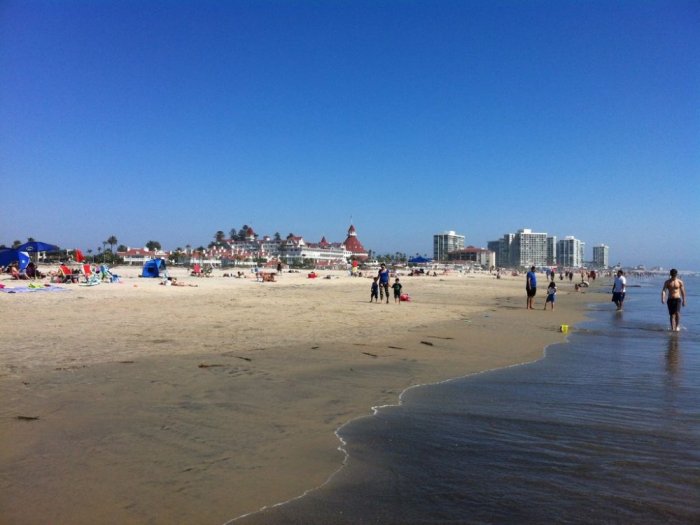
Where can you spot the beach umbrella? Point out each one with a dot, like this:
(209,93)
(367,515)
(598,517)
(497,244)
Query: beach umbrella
(37,246)
(10,255)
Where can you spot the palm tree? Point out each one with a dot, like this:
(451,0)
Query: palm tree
(16,243)
(243,232)
(219,237)
(89,253)
(112,241)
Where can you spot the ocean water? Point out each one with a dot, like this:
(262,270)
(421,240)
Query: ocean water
(604,429)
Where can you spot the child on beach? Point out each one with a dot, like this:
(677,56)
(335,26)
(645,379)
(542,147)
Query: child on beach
(551,294)
(397,291)
(375,290)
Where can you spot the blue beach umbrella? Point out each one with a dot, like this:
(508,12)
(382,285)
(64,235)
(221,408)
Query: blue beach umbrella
(10,255)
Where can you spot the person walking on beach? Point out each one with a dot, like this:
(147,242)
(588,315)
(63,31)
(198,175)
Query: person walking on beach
(531,288)
(383,277)
(375,291)
(551,294)
(397,291)
(676,298)
(619,289)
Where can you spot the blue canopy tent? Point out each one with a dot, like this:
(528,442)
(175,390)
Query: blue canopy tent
(154,268)
(10,255)
(37,246)
(34,247)
(419,260)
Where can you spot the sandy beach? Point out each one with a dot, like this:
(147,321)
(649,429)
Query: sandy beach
(133,402)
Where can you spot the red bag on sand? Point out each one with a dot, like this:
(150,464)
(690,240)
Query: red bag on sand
(404,297)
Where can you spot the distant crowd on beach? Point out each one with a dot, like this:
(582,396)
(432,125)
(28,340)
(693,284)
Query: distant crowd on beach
(673,293)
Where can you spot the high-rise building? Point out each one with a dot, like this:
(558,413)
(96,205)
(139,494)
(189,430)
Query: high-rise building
(601,256)
(528,249)
(570,252)
(495,247)
(446,242)
(501,248)
(552,250)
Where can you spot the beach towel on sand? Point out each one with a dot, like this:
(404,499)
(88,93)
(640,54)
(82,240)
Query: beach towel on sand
(33,288)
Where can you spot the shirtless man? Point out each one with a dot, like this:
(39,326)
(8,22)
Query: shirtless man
(676,297)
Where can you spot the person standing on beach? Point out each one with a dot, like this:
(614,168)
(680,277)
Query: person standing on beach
(551,294)
(676,298)
(531,288)
(383,277)
(375,291)
(619,289)
(397,291)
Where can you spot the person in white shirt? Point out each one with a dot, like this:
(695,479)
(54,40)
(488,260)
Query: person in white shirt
(619,289)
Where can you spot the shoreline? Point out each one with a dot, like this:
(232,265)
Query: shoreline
(240,423)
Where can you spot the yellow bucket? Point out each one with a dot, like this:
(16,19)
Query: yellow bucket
(564,328)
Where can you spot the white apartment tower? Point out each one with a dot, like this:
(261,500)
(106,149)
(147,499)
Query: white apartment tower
(570,252)
(601,256)
(446,242)
(528,249)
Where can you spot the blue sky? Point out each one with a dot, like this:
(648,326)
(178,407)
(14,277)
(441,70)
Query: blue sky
(170,120)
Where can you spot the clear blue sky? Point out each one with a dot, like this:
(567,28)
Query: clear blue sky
(170,120)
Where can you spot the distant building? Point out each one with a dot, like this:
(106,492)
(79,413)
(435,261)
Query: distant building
(446,242)
(252,249)
(138,256)
(354,246)
(480,256)
(501,248)
(601,256)
(570,252)
(294,250)
(528,249)
(552,251)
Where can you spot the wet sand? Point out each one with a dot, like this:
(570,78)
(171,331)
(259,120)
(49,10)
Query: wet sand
(140,403)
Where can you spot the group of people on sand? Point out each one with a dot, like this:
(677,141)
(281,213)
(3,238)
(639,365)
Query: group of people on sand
(672,294)
(29,272)
(380,286)
(531,289)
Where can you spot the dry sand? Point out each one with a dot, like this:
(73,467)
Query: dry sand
(140,403)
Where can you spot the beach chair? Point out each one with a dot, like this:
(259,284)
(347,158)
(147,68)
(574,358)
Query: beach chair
(64,274)
(90,277)
(106,275)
